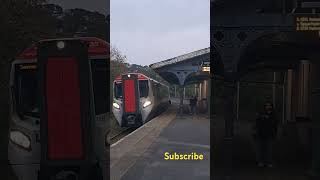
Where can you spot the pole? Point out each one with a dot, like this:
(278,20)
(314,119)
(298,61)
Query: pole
(283,104)
(238,99)
(229,95)
(289,76)
(274,89)
(200,90)
(284,7)
(210,98)
(181,99)
(195,89)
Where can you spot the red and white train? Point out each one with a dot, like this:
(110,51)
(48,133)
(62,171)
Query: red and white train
(138,98)
(58,121)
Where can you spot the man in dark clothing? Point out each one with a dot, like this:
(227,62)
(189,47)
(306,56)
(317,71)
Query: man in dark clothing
(193,103)
(265,132)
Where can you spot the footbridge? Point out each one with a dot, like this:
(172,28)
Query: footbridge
(189,69)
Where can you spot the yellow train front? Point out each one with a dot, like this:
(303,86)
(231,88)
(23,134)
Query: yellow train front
(138,98)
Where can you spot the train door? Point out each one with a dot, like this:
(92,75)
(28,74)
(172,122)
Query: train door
(66,110)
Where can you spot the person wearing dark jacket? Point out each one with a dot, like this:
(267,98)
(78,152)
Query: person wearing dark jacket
(193,104)
(265,128)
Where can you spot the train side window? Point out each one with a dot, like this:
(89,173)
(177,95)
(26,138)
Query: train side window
(154,89)
(143,88)
(162,91)
(118,90)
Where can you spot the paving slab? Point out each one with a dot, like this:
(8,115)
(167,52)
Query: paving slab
(144,159)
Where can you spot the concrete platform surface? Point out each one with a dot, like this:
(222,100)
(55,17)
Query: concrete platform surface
(289,160)
(140,156)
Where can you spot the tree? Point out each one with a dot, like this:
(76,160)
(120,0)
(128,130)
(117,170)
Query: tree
(22,23)
(118,66)
(117,56)
(84,23)
(118,63)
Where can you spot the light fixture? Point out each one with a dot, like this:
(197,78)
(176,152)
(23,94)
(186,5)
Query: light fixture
(206,69)
(61,45)
(146,103)
(129,75)
(20,139)
(116,105)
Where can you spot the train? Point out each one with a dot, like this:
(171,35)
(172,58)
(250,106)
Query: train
(137,98)
(55,145)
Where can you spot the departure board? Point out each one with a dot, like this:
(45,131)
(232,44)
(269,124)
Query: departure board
(310,22)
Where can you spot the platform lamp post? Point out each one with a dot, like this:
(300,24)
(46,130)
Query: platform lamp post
(206,68)
(274,90)
(209,98)
(181,93)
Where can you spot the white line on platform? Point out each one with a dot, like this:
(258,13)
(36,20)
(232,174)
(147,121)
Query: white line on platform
(183,144)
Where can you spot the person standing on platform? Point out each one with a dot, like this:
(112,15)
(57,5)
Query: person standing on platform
(193,104)
(265,132)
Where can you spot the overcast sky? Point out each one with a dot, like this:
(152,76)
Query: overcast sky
(148,31)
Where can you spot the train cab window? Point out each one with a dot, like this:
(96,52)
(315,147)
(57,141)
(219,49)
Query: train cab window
(118,90)
(143,88)
(26,90)
(99,78)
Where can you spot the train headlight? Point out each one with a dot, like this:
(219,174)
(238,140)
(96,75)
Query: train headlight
(20,139)
(147,103)
(61,45)
(116,105)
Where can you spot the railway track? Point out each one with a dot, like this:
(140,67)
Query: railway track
(117,136)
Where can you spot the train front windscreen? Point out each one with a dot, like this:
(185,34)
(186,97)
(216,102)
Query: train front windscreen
(26,93)
(143,89)
(26,90)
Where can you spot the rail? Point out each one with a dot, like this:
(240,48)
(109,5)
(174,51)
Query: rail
(119,135)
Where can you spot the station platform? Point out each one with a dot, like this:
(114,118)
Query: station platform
(140,155)
(290,160)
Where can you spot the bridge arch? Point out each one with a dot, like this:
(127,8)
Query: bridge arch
(271,50)
(196,77)
(170,77)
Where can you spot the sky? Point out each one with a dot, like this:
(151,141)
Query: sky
(149,31)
